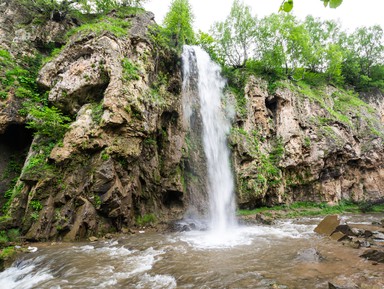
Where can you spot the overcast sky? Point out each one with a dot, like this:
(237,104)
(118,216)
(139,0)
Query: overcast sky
(352,13)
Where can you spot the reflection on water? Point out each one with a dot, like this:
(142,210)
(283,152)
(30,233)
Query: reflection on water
(249,257)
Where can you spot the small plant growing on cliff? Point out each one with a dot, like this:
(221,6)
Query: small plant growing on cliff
(36,205)
(130,70)
(48,122)
(146,219)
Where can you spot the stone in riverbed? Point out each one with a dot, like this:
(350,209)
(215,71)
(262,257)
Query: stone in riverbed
(333,286)
(264,220)
(338,236)
(93,239)
(309,255)
(352,242)
(374,255)
(328,225)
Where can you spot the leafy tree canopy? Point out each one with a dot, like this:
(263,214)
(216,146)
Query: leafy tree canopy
(58,9)
(287,5)
(178,23)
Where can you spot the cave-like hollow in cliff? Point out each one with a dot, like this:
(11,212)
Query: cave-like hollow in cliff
(14,145)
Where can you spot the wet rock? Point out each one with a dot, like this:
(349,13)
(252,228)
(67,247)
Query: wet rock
(338,236)
(334,286)
(309,255)
(264,220)
(108,236)
(374,255)
(93,239)
(352,242)
(346,230)
(357,232)
(328,225)
(181,227)
(365,244)
(378,236)
(368,234)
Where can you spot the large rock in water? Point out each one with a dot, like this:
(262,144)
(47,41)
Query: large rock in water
(328,225)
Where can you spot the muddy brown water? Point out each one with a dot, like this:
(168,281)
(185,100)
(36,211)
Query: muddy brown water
(281,256)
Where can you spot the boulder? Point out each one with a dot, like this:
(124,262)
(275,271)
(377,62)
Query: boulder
(93,239)
(374,255)
(328,225)
(338,236)
(264,220)
(309,255)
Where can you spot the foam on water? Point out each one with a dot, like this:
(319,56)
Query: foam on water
(24,275)
(245,235)
(156,282)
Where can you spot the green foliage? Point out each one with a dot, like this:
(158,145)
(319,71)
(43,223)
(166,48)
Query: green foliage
(130,70)
(59,10)
(146,219)
(35,205)
(97,200)
(266,173)
(105,155)
(3,238)
(34,216)
(235,36)
(280,46)
(304,209)
(119,27)
(48,122)
(13,235)
(287,5)
(7,253)
(178,23)
(97,112)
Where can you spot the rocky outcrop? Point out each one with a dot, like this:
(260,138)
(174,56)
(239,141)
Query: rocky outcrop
(298,144)
(121,158)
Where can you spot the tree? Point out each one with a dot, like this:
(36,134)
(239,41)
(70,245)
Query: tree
(58,10)
(363,55)
(287,5)
(283,44)
(236,35)
(321,35)
(178,23)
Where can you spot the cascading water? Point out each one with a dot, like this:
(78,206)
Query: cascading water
(202,76)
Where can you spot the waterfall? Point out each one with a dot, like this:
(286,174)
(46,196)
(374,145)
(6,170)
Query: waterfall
(203,83)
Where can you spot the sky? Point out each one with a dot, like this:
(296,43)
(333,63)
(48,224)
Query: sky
(352,13)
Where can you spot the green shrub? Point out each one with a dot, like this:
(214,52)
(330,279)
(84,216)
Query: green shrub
(13,235)
(3,238)
(49,122)
(146,219)
(118,27)
(130,70)
(36,205)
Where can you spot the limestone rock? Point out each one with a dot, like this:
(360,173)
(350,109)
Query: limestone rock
(328,225)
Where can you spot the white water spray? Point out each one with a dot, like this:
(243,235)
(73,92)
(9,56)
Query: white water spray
(216,127)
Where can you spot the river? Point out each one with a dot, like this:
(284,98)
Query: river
(277,256)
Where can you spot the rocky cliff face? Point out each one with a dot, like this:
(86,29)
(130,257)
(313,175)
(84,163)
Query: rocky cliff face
(120,161)
(303,144)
